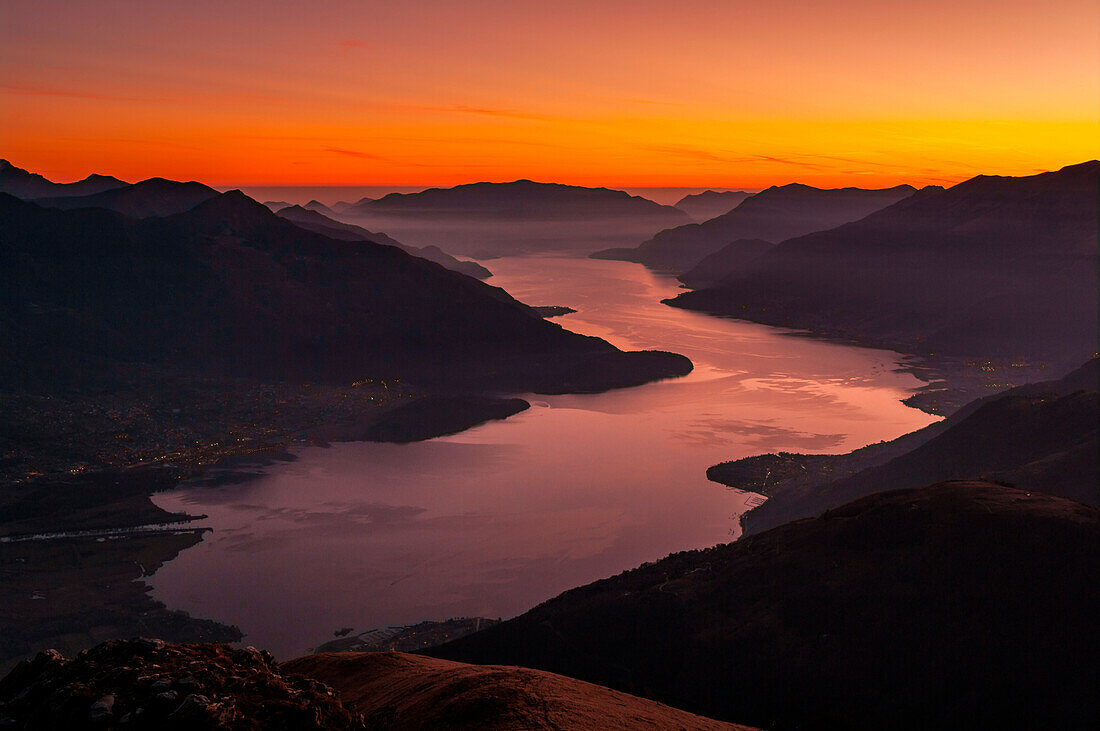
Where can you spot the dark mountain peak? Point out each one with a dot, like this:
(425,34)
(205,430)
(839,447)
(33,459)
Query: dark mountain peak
(802,188)
(295,208)
(97,182)
(532,196)
(1089,166)
(232,208)
(993,267)
(25,184)
(300,214)
(711,203)
(231,212)
(316,205)
(1080,176)
(775,214)
(166,184)
(151,197)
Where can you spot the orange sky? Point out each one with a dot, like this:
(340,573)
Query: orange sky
(709,93)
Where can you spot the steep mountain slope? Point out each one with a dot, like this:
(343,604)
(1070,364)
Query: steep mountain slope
(774,215)
(1042,436)
(313,220)
(394,690)
(487,219)
(732,259)
(711,203)
(991,267)
(230,288)
(152,197)
(959,605)
(23,184)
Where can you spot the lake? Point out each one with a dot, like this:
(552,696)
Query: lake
(501,517)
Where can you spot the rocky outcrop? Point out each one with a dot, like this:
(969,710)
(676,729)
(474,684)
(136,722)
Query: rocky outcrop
(148,684)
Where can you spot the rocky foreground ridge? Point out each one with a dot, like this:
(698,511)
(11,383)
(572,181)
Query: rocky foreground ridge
(148,684)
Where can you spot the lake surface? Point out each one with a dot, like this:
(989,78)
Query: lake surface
(494,520)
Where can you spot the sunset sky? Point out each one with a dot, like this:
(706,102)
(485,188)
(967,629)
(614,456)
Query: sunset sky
(690,93)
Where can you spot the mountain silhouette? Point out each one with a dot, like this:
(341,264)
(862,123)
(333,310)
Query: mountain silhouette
(1042,436)
(230,288)
(731,259)
(341,206)
(992,267)
(314,220)
(492,219)
(711,203)
(27,185)
(958,605)
(318,206)
(774,215)
(152,197)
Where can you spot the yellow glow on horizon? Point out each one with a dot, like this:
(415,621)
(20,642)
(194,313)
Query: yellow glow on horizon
(706,94)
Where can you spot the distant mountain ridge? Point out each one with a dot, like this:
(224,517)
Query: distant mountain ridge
(517,199)
(493,219)
(991,267)
(711,203)
(315,220)
(27,185)
(152,197)
(774,215)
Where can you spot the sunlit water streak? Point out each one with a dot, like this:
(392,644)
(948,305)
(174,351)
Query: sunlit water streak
(496,519)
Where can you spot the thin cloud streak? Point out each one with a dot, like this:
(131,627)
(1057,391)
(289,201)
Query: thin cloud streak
(43,91)
(354,153)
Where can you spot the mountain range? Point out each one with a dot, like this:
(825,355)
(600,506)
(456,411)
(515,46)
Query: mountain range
(152,197)
(773,215)
(493,219)
(313,219)
(711,203)
(230,288)
(992,267)
(162,197)
(23,184)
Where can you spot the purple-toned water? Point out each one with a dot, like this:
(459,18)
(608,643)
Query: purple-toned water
(494,520)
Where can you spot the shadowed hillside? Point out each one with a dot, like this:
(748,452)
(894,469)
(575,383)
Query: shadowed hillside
(316,221)
(993,267)
(231,288)
(960,605)
(1036,437)
(774,215)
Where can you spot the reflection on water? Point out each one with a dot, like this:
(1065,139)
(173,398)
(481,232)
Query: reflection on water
(496,519)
